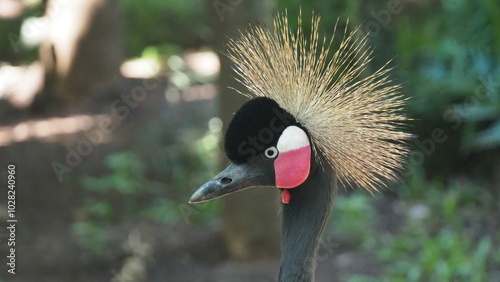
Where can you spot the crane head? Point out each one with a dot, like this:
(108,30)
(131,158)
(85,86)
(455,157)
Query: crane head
(267,147)
(315,106)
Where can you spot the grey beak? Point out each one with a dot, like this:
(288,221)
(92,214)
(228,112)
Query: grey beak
(234,178)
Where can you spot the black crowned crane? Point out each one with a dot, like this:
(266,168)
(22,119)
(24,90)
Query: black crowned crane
(313,121)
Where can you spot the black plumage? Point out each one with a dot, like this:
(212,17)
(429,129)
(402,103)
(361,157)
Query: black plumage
(256,126)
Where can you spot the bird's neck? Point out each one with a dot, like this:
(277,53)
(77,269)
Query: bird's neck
(304,219)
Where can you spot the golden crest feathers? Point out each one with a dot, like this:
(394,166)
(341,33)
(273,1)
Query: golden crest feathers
(353,121)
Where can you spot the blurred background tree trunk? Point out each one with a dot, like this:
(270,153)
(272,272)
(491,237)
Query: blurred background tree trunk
(251,225)
(83,48)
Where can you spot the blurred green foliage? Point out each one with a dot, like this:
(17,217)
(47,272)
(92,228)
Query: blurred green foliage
(127,193)
(456,241)
(443,235)
(450,60)
(355,213)
(178,23)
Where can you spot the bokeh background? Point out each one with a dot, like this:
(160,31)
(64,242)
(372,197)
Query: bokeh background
(112,112)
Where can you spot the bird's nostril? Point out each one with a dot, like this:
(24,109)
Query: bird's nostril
(226,180)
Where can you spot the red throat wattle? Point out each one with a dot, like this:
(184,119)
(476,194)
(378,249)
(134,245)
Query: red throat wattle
(285,196)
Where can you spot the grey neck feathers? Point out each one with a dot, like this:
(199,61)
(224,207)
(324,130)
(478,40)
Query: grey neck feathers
(304,219)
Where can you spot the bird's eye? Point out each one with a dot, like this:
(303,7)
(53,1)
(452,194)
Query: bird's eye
(271,152)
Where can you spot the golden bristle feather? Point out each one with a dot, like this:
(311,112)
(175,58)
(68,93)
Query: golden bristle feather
(353,121)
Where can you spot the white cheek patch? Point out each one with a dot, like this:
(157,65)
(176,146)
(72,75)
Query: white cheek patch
(293,137)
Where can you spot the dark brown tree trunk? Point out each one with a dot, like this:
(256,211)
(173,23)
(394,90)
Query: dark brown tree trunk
(83,48)
(250,217)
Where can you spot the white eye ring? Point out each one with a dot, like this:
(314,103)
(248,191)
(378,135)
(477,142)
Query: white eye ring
(271,152)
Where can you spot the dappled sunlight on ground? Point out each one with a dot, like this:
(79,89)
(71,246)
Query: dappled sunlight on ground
(47,129)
